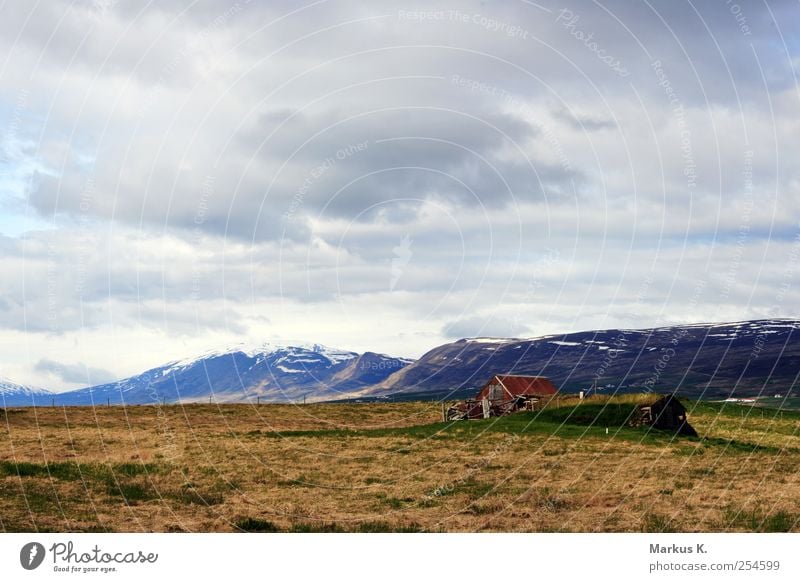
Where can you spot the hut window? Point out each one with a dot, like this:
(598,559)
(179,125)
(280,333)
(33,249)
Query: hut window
(496,392)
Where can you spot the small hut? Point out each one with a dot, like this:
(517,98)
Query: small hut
(504,394)
(664,413)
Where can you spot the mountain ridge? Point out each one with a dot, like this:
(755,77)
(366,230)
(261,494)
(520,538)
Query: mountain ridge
(13,394)
(268,372)
(699,360)
(703,360)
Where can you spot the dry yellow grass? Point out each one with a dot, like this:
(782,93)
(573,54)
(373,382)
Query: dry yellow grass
(354,468)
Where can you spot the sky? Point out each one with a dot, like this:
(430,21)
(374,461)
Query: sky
(386,176)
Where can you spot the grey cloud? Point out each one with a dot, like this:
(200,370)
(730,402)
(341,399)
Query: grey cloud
(584,122)
(76,373)
(349,165)
(484,327)
(162,179)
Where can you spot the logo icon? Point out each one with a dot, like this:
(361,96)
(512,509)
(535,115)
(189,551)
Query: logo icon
(31,555)
(402,256)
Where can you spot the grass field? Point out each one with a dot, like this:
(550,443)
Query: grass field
(788,403)
(395,467)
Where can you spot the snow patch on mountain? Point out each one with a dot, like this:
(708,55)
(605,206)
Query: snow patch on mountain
(13,394)
(260,351)
(8,387)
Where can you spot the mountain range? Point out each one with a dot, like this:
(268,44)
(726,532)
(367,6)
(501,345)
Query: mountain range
(268,372)
(749,358)
(13,394)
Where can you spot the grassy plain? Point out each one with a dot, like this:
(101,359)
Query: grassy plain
(395,467)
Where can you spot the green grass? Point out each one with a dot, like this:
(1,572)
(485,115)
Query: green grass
(395,503)
(96,528)
(587,419)
(655,523)
(38,497)
(383,527)
(316,528)
(550,500)
(133,492)
(567,422)
(71,471)
(757,521)
(134,469)
(469,486)
(735,411)
(64,471)
(607,414)
(118,479)
(520,423)
(768,403)
(255,525)
(193,496)
(742,447)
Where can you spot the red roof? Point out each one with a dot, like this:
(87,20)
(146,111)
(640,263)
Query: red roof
(512,386)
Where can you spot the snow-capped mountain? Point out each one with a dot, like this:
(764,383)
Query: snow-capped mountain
(746,358)
(270,372)
(12,394)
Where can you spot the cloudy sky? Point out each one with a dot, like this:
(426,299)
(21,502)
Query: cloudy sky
(388,176)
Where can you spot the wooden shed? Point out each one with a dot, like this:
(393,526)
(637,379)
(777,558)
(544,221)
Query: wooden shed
(504,394)
(664,413)
(506,387)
